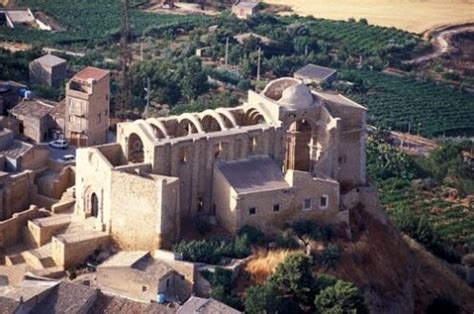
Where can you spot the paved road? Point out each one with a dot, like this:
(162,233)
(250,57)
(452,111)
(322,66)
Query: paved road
(58,154)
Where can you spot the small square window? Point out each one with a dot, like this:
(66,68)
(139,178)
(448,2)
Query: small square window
(252,211)
(276,207)
(324,201)
(307,204)
(144,288)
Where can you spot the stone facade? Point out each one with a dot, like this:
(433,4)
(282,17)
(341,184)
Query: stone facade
(164,173)
(87,107)
(48,70)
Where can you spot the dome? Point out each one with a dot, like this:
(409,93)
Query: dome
(298,95)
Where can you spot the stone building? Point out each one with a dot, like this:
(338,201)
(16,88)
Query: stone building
(244,9)
(87,107)
(37,120)
(316,74)
(136,275)
(48,70)
(288,153)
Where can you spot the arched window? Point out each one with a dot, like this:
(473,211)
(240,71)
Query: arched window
(299,138)
(94,210)
(135,149)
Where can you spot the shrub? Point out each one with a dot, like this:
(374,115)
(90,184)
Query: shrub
(254,235)
(286,240)
(330,257)
(342,297)
(305,229)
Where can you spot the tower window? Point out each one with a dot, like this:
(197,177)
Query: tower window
(183,155)
(276,207)
(324,201)
(252,211)
(253,145)
(307,204)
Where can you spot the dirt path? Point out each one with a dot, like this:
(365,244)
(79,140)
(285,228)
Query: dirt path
(440,39)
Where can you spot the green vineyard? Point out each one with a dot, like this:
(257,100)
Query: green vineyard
(362,38)
(425,107)
(93,21)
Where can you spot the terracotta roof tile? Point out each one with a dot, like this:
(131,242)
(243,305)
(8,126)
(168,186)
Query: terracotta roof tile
(91,73)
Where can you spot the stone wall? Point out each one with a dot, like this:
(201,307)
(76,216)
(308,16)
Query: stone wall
(11,230)
(18,193)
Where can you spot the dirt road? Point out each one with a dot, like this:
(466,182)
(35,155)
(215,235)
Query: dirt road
(440,39)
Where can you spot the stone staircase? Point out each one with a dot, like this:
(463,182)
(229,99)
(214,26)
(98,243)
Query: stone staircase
(56,243)
(66,202)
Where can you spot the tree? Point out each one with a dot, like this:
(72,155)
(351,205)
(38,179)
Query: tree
(267,300)
(294,279)
(342,297)
(191,78)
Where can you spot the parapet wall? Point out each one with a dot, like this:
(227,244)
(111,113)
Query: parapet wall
(11,230)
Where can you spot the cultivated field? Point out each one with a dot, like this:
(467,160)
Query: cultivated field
(411,15)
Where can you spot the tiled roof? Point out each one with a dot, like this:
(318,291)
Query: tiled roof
(124,259)
(8,305)
(91,73)
(338,99)
(205,306)
(253,175)
(50,60)
(246,4)
(140,260)
(32,108)
(105,304)
(66,298)
(59,110)
(312,71)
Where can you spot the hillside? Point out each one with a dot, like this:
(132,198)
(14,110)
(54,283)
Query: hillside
(394,273)
(397,274)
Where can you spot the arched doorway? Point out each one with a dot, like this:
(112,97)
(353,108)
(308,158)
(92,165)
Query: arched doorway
(135,149)
(94,210)
(299,142)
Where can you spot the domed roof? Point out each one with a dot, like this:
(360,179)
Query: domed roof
(298,95)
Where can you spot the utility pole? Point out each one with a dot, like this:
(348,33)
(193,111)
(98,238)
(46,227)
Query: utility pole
(141,51)
(226,51)
(258,63)
(125,59)
(147,97)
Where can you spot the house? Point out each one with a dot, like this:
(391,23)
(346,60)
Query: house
(244,9)
(39,119)
(87,107)
(136,275)
(196,305)
(48,70)
(316,74)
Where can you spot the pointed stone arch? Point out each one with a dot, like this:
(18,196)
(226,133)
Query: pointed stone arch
(228,115)
(192,121)
(159,128)
(206,118)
